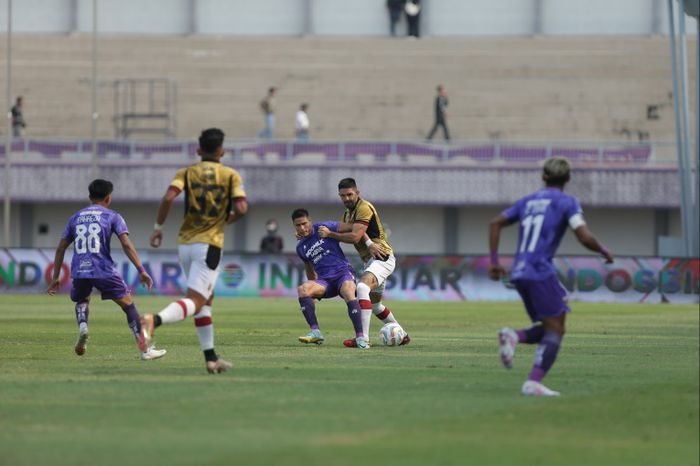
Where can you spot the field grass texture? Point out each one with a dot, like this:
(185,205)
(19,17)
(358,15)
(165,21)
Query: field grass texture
(628,376)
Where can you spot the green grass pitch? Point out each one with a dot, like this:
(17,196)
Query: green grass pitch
(628,375)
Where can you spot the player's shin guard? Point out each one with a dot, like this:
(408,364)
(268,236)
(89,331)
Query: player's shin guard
(365,306)
(308,308)
(383,313)
(205,328)
(177,311)
(82,312)
(133,320)
(545,355)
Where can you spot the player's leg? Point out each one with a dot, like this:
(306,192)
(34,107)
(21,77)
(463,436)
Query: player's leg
(348,292)
(133,320)
(367,283)
(548,298)
(80,295)
(198,289)
(307,292)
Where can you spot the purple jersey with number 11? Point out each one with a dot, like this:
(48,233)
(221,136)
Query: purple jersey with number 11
(90,229)
(543,217)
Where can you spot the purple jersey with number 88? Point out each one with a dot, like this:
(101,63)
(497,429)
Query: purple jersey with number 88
(90,230)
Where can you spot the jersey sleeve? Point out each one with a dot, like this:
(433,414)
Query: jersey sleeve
(299,253)
(119,225)
(68,232)
(363,214)
(179,180)
(237,188)
(512,213)
(332,226)
(574,214)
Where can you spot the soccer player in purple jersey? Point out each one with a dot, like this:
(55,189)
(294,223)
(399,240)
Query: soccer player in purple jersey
(329,274)
(543,217)
(90,230)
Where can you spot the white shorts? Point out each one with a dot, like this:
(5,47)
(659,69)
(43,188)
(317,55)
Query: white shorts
(381,270)
(196,260)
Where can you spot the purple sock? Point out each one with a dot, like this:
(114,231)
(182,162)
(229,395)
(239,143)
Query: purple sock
(355,314)
(530,335)
(545,355)
(133,318)
(308,308)
(82,312)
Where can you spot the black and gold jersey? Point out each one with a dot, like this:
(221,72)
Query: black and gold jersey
(210,189)
(365,213)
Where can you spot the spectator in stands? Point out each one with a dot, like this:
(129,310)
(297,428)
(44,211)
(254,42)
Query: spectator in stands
(395,7)
(18,123)
(440,113)
(412,9)
(267,105)
(301,123)
(271,243)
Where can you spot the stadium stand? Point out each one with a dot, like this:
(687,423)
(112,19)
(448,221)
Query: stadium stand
(508,89)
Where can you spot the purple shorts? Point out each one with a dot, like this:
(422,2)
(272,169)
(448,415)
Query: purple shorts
(111,288)
(543,298)
(333,284)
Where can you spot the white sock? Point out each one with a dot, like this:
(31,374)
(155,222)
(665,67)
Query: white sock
(365,307)
(205,328)
(379,308)
(83,328)
(177,311)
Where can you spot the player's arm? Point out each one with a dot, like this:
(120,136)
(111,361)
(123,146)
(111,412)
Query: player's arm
(586,238)
(496,271)
(310,272)
(240,208)
(57,265)
(353,236)
(130,252)
(163,210)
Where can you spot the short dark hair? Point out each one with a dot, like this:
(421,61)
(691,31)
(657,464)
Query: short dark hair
(298,213)
(556,171)
(100,189)
(347,183)
(211,140)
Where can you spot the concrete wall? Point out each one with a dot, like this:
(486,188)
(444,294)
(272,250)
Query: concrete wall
(340,17)
(414,230)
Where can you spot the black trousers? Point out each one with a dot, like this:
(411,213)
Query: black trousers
(413,25)
(445,131)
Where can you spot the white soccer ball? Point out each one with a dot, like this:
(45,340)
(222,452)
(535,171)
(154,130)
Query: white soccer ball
(392,334)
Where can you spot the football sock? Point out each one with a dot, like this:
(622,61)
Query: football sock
(177,311)
(530,335)
(383,313)
(545,355)
(365,306)
(355,314)
(205,328)
(133,319)
(82,312)
(308,308)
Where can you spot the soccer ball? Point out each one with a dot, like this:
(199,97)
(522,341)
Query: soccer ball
(392,334)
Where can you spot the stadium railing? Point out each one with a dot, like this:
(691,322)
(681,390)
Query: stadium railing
(389,153)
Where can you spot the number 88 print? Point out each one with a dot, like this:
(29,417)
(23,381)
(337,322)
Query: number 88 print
(91,242)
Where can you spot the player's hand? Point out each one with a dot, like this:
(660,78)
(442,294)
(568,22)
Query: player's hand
(146,280)
(156,238)
(608,257)
(231,218)
(378,251)
(323,232)
(496,272)
(53,287)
